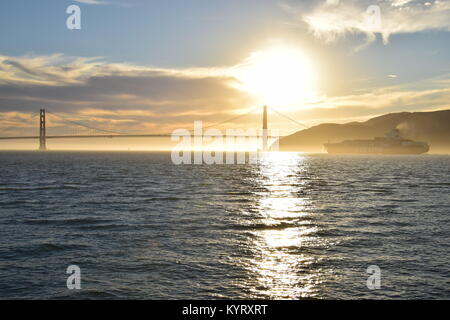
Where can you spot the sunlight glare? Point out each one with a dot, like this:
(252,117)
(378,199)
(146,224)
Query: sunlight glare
(281,77)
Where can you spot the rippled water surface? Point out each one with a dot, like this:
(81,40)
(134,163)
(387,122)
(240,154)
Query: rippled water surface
(292,226)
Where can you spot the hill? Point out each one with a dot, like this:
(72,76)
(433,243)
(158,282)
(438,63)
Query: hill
(432,127)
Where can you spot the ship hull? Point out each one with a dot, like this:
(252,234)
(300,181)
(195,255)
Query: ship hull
(392,143)
(376,150)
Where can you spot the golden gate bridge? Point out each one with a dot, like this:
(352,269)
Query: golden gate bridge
(103,133)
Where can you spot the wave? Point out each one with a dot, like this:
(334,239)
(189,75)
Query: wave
(262,226)
(71,221)
(63,187)
(165,199)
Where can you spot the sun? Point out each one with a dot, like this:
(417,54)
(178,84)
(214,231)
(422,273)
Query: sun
(280,77)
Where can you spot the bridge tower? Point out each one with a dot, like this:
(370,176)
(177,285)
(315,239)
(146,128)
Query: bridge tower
(265,131)
(42,131)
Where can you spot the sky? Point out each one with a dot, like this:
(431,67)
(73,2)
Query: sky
(154,66)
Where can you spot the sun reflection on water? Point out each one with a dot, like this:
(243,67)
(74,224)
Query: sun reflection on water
(281,263)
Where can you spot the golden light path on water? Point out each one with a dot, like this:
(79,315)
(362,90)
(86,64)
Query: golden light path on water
(281,264)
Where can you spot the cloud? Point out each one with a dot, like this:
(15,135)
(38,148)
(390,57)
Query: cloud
(142,99)
(97,2)
(124,4)
(125,95)
(428,95)
(332,20)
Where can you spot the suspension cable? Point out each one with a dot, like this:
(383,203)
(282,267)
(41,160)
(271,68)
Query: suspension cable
(33,115)
(86,126)
(207,127)
(289,118)
(229,120)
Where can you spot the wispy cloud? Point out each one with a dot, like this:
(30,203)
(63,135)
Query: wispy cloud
(331,20)
(427,95)
(125,4)
(97,2)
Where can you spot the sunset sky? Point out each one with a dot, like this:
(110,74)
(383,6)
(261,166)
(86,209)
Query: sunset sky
(154,66)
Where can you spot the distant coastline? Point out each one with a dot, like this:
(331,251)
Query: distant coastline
(432,127)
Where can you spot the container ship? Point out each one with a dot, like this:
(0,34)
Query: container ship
(391,143)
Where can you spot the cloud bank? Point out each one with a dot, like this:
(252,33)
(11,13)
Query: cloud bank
(140,99)
(108,91)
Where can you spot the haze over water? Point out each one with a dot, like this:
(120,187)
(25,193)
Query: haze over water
(292,226)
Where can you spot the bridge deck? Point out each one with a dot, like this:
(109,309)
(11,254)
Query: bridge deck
(123,136)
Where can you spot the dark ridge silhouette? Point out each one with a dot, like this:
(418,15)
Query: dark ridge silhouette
(432,127)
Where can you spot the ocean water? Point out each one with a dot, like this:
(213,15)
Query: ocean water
(292,226)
